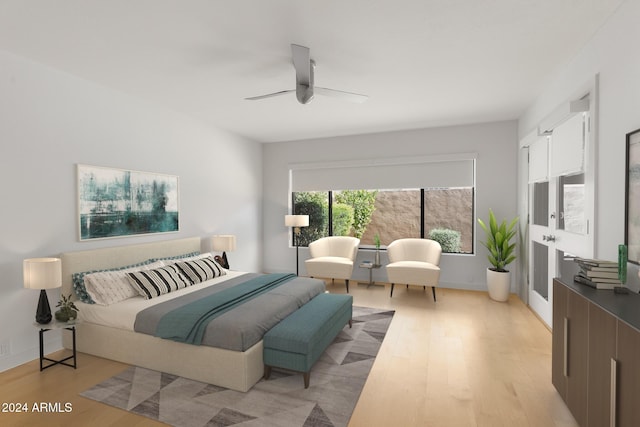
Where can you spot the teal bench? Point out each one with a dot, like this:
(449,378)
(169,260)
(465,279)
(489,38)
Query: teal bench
(298,341)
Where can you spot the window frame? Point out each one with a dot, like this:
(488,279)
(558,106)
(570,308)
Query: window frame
(423,215)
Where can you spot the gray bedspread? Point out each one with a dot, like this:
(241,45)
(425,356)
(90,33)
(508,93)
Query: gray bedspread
(244,326)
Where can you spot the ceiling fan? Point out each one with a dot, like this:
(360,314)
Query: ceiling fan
(305,88)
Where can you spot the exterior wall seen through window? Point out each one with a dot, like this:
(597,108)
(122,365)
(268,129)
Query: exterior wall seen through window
(442,214)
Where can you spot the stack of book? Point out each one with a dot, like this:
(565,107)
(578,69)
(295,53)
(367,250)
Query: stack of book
(599,274)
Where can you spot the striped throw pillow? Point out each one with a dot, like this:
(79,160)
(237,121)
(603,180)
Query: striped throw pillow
(200,270)
(160,281)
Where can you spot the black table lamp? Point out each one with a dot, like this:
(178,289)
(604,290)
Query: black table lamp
(224,243)
(42,273)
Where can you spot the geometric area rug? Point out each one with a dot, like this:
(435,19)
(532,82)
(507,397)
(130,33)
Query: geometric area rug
(337,379)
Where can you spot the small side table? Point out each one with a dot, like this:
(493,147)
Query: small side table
(53,326)
(371,266)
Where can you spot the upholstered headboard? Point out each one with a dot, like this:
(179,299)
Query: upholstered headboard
(118,256)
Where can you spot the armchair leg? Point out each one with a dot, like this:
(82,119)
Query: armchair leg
(347,283)
(433,289)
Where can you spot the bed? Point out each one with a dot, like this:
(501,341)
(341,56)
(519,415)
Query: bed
(111,336)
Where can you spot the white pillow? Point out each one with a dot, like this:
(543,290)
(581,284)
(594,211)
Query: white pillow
(110,287)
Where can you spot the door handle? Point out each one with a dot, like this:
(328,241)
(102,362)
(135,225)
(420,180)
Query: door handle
(549,238)
(565,355)
(613,392)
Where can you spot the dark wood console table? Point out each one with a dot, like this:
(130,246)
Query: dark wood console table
(596,353)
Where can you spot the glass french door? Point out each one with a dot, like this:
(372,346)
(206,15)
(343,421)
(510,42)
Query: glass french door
(561,206)
(559,231)
(541,249)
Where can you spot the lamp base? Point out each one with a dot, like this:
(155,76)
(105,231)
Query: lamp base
(225,260)
(43,313)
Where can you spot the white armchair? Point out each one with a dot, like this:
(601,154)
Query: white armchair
(333,257)
(414,262)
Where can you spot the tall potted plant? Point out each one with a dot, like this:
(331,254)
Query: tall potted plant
(501,253)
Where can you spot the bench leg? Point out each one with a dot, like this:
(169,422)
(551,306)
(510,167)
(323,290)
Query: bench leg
(306,376)
(267,372)
(347,282)
(350,323)
(391,290)
(433,289)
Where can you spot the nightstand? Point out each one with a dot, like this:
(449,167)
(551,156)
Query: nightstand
(55,325)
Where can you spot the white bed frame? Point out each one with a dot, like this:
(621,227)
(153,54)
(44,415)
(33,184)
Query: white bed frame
(226,368)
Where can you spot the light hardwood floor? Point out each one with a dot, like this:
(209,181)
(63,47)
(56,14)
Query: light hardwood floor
(462,361)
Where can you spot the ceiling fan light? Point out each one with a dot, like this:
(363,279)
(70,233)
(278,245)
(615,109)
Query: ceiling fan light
(304,94)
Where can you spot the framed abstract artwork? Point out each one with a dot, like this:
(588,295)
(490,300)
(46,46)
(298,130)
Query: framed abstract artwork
(119,203)
(632,211)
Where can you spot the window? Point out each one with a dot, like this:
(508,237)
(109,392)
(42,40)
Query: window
(571,200)
(396,215)
(442,214)
(541,203)
(316,205)
(422,197)
(449,213)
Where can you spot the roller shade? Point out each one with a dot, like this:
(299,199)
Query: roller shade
(385,174)
(567,147)
(539,160)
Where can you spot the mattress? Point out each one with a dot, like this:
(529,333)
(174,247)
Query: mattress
(237,329)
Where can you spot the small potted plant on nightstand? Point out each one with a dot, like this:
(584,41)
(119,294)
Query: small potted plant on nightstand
(376,241)
(68,310)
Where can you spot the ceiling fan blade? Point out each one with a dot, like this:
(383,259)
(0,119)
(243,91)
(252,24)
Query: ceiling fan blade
(349,96)
(302,63)
(305,89)
(270,95)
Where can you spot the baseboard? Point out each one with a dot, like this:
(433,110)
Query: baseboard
(539,318)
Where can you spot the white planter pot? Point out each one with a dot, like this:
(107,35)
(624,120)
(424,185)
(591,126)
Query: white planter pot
(499,285)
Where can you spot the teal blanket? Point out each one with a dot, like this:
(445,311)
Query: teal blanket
(188,323)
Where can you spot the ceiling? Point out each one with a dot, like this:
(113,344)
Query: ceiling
(423,63)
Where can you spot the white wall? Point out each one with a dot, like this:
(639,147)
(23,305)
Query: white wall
(612,55)
(495,143)
(49,122)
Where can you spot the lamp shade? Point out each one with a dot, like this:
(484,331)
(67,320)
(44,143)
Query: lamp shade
(296,220)
(42,273)
(223,242)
